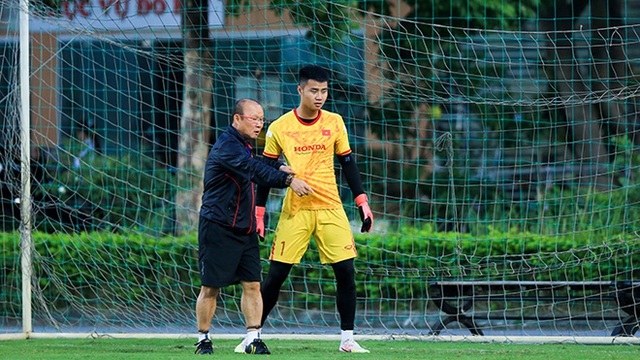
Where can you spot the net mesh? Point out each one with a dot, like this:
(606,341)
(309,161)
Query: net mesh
(496,146)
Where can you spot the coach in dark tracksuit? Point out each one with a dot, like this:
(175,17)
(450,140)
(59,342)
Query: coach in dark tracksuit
(228,246)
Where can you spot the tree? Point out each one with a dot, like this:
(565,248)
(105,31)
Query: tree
(424,66)
(590,123)
(196,112)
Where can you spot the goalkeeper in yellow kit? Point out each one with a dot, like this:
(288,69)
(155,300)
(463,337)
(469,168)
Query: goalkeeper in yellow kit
(309,138)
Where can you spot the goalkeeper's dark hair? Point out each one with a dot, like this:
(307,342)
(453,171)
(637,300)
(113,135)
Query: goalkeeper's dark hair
(313,72)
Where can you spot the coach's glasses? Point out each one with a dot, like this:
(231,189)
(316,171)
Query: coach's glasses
(253,119)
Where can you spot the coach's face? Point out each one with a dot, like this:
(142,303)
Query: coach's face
(250,123)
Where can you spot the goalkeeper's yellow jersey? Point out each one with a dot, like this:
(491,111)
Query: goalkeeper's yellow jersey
(309,149)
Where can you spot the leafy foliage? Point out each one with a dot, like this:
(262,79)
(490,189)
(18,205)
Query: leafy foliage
(395,265)
(115,192)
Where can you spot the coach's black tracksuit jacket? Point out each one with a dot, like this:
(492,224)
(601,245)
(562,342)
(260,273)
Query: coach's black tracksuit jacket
(229,196)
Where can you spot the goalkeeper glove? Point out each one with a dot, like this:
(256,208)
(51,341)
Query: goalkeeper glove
(365,212)
(260,210)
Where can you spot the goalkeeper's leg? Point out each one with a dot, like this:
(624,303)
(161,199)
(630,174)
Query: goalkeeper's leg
(271,285)
(346,292)
(346,300)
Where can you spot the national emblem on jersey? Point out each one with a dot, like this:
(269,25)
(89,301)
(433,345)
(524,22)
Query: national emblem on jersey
(309,149)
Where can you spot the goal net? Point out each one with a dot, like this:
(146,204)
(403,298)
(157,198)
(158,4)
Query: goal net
(498,147)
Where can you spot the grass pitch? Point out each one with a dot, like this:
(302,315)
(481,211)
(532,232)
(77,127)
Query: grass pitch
(167,349)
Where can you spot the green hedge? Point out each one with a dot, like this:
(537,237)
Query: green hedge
(399,266)
(108,268)
(110,193)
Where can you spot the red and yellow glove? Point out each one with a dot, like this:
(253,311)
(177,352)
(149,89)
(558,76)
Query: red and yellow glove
(365,212)
(260,210)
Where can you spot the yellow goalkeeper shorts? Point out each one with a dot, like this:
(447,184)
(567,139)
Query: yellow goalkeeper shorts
(330,229)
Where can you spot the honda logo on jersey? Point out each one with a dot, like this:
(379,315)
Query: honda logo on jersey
(326,132)
(305,148)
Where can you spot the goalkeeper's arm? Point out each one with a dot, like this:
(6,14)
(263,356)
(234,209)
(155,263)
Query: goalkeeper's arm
(352,174)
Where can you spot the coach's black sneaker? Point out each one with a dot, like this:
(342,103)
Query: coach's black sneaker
(257,347)
(204,347)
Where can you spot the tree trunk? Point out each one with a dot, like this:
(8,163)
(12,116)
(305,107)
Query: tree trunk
(196,114)
(582,117)
(612,68)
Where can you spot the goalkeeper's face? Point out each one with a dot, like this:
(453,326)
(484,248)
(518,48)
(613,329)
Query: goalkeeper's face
(313,94)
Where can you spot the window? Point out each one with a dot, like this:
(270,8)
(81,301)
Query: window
(265,89)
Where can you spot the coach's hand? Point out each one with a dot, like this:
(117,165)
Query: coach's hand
(365,213)
(260,210)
